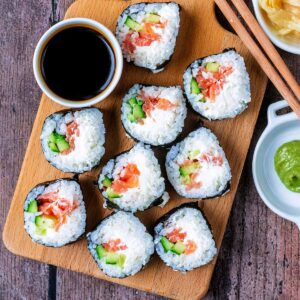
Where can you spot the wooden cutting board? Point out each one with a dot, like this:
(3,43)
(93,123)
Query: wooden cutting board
(200,35)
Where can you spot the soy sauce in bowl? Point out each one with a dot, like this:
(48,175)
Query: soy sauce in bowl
(78,63)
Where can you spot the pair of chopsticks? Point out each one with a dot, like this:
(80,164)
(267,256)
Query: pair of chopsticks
(270,61)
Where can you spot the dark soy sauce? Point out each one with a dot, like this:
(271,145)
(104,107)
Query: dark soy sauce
(78,63)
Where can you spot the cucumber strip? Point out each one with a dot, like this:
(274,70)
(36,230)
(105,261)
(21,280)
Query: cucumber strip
(52,138)
(152,18)
(185,179)
(212,66)
(52,147)
(195,89)
(138,112)
(187,170)
(62,145)
(107,182)
(178,248)
(112,258)
(131,118)
(45,222)
(132,101)
(121,260)
(33,206)
(111,194)
(132,24)
(101,252)
(40,231)
(167,245)
(193,154)
(58,136)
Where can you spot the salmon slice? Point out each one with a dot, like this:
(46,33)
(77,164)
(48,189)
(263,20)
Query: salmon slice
(217,159)
(114,245)
(129,178)
(72,129)
(188,162)
(212,86)
(151,103)
(147,36)
(72,132)
(127,44)
(165,104)
(190,247)
(176,235)
(119,186)
(193,184)
(50,204)
(144,38)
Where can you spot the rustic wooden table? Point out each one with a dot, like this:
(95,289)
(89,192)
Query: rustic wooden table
(259,258)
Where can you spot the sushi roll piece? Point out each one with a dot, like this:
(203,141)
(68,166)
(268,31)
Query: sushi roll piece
(218,86)
(197,166)
(183,238)
(73,141)
(154,114)
(120,245)
(147,33)
(133,181)
(54,213)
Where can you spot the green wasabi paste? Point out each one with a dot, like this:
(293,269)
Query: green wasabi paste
(287,165)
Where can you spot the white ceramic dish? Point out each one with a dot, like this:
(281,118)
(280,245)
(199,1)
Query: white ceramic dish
(290,47)
(277,197)
(73,22)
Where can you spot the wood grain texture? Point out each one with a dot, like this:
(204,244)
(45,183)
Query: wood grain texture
(156,278)
(18,105)
(252,262)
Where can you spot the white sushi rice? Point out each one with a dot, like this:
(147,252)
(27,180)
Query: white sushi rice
(196,228)
(163,126)
(215,179)
(67,232)
(151,183)
(132,233)
(235,95)
(159,52)
(89,145)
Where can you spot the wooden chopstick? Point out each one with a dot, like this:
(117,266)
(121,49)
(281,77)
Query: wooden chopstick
(267,45)
(260,57)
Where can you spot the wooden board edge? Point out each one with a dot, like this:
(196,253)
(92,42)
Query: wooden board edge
(5,238)
(10,247)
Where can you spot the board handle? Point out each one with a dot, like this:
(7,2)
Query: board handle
(273,108)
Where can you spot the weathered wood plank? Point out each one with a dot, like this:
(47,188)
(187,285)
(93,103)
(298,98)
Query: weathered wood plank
(156,277)
(21,25)
(72,285)
(260,252)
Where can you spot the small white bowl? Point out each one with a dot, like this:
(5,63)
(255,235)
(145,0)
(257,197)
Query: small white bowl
(72,23)
(277,197)
(287,46)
